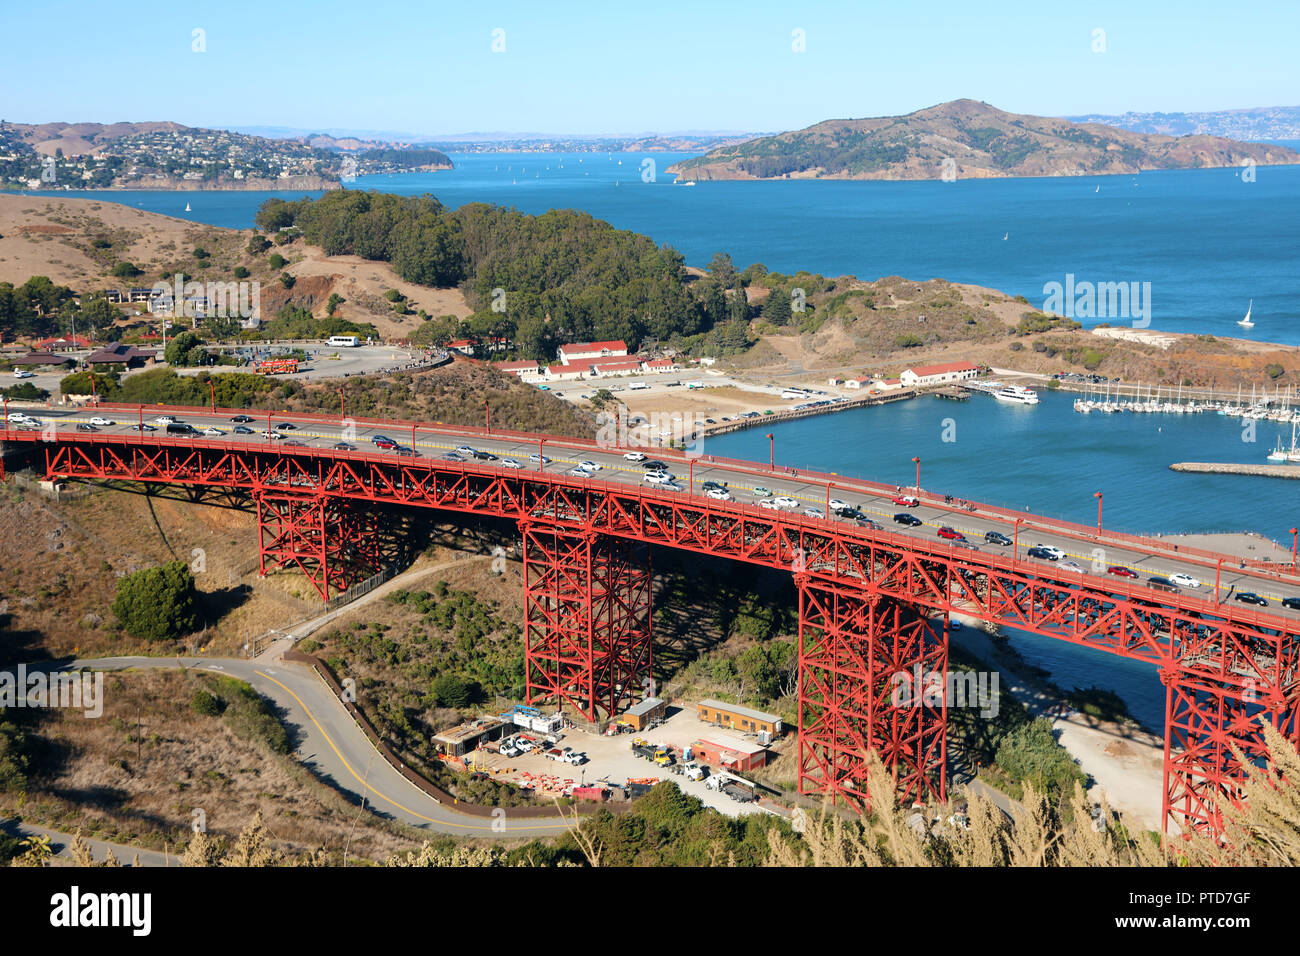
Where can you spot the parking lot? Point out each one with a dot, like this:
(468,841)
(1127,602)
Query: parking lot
(612,762)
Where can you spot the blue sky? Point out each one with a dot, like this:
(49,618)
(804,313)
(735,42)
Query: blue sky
(617,67)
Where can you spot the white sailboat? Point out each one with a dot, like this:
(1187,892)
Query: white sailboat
(1246,323)
(187,207)
(1005,235)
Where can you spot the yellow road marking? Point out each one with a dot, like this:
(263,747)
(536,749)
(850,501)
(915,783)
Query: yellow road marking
(363,782)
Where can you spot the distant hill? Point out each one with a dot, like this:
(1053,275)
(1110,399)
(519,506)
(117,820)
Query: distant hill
(972,140)
(1266,122)
(77,139)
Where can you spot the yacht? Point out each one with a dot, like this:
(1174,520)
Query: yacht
(1285,456)
(1017,394)
(1246,323)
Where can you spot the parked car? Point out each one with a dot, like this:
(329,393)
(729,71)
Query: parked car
(910,520)
(508,749)
(1250,597)
(694,771)
(997,537)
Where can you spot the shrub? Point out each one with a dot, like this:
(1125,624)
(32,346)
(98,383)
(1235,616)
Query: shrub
(206,704)
(277,261)
(158,603)
(240,272)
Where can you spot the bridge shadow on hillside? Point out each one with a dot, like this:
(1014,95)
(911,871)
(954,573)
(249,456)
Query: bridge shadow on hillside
(701,602)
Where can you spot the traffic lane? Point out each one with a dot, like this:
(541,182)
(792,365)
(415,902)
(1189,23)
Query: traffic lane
(336,750)
(810,494)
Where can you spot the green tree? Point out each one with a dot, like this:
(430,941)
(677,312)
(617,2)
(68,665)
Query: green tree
(179,348)
(159,603)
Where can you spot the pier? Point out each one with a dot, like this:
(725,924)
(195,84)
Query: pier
(1232,468)
(790,414)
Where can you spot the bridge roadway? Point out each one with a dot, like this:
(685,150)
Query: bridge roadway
(1092,553)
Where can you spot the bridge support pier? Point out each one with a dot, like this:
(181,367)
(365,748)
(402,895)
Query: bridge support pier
(873,675)
(333,541)
(587,630)
(1204,719)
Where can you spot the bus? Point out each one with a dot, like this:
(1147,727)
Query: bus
(347,341)
(278,366)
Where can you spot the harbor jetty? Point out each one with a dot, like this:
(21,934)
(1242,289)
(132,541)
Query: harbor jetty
(789,414)
(1232,468)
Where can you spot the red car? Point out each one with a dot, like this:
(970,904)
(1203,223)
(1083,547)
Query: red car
(385,443)
(1120,571)
(907,501)
(951,533)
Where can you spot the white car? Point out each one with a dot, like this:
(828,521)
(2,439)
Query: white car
(271,436)
(17,416)
(634,456)
(659,477)
(579,473)
(588,466)
(164,420)
(210,431)
(1057,553)
(510,463)
(784,501)
(814,512)
(465,450)
(769,504)
(22,373)
(1185,580)
(1070,566)
(719,494)
(508,749)
(838,504)
(102,421)
(524,745)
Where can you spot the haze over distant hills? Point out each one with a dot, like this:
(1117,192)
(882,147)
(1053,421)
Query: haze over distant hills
(968,139)
(1265,122)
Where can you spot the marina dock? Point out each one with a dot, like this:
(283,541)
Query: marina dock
(1232,468)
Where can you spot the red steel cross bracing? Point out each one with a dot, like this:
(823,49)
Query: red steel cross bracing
(872,676)
(587,634)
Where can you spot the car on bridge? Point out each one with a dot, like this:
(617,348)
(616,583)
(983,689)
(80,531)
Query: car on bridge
(464,450)
(785,501)
(484,456)
(1291,602)
(653,465)
(1046,552)
(342,446)
(1072,566)
(102,422)
(86,427)
(453,456)
(276,436)
(761,492)
(907,501)
(907,519)
(539,459)
(242,419)
(634,456)
(588,466)
(963,543)
(510,463)
(1185,580)
(814,512)
(1250,597)
(996,537)
(1161,583)
(1121,572)
(387,444)
(405,452)
(286,427)
(213,432)
(243,430)
(165,420)
(951,534)
(869,523)
(653,477)
(769,504)
(837,504)
(142,428)
(718,494)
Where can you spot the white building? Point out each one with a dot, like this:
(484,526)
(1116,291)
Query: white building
(924,375)
(591,351)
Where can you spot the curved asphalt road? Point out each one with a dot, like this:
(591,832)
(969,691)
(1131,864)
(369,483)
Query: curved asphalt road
(335,749)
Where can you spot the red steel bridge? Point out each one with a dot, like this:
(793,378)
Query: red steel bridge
(873,601)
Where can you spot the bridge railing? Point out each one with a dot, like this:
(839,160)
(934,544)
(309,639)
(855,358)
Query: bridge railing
(1165,546)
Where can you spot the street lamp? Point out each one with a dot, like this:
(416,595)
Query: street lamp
(487,418)
(1015,545)
(771,452)
(1294,533)
(918,476)
(1097,495)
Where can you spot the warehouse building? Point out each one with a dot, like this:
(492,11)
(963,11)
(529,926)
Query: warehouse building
(470,735)
(740,718)
(645,713)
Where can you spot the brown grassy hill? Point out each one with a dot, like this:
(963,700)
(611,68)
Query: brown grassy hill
(57,238)
(977,140)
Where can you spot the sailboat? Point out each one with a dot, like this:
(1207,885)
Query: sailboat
(1097,190)
(1246,323)
(187,207)
(1004,236)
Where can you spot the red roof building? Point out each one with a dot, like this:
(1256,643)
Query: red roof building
(580,351)
(939,374)
(63,344)
(615,368)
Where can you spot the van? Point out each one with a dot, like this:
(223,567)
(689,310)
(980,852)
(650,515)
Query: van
(1159,583)
(181,428)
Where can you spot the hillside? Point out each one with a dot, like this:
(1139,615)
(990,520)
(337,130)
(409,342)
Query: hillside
(968,140)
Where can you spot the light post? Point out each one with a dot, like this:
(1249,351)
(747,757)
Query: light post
(1097,495)
(1294,533)
(342,411)
(1218,573)
(212,390)
(771,452)
(1015,545)
(918,477)
(487,418)
(541,453)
